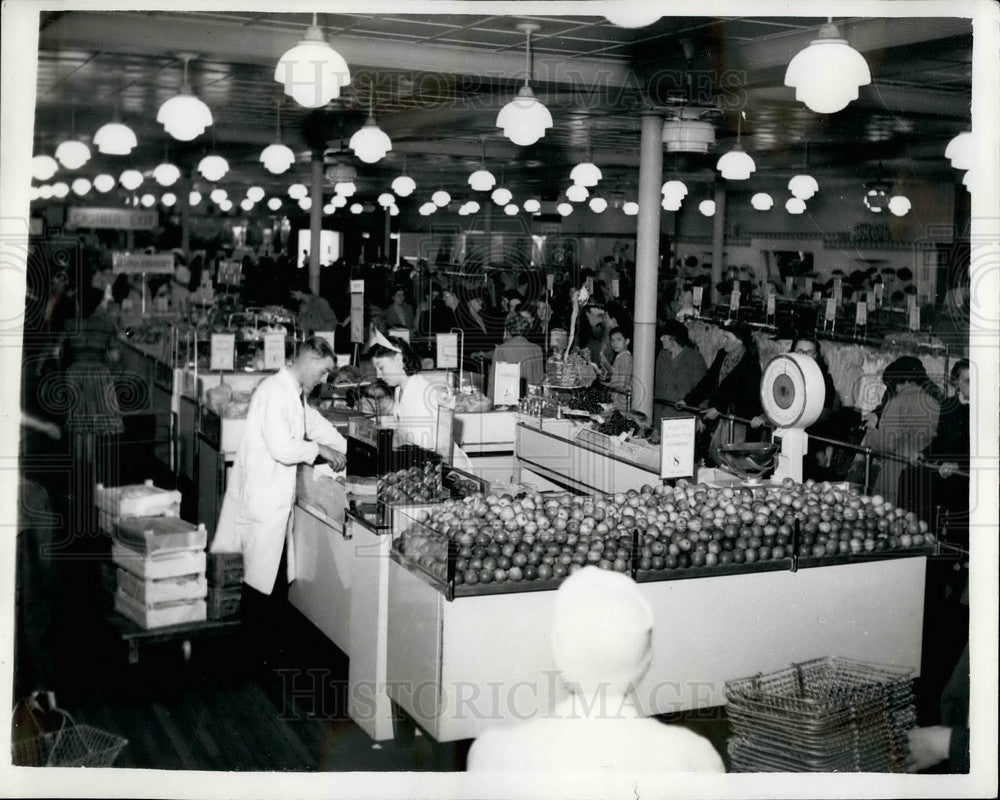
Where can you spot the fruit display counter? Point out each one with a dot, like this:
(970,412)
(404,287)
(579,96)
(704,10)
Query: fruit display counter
(741,579)
(487,437)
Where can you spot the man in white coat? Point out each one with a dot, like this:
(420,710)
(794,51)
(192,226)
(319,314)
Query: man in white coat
(281,432)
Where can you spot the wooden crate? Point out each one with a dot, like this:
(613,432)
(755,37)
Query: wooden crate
(225,569)
(224,602)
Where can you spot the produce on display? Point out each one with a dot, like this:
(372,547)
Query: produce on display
(422,484)
(617,423)
(537,536)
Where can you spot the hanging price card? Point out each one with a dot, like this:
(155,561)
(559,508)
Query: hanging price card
(615,287)
(771,304)
(274,350)
(447,351)
(915,318)
(789,284)
(870,300)
(677,447)
(879,293)
(506,383)
(809,285)
(734,300)
(861,314)
(838,290)
(831,309)
(550,281)
(223,352)
(696,296)
(357,287)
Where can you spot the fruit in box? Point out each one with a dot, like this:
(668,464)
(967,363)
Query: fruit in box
(532,536)
(416,485)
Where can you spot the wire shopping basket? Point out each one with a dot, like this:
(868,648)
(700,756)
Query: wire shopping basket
(70,745)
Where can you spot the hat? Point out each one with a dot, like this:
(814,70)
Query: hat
(182,275)
(675,330)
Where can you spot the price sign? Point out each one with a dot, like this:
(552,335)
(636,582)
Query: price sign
(616,286)
(861,313)
(550,281)
(771,304)
(358,312)
(328,336)
(506,383)
(870,300)
(357,287)
(789,284)
(677,447)
(447,350)
(223,352)
(911,302)
(915,318)
(817,296)
(809,285)
(274,350)
(400,333)
(838,291)
(831,309)
(734,300)
(879,293)
(696,295)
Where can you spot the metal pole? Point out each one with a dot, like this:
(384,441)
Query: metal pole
(315,219)
(718,240)
(647,257)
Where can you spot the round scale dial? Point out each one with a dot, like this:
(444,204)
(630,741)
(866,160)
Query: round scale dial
(792,390)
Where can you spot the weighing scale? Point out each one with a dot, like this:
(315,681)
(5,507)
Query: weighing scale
(792,392)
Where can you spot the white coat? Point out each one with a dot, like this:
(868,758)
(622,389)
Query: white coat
(281,432)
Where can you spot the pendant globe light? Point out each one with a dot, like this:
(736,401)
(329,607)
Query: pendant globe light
(762,201)
(104,183)
(827,74)
(531,205)
(586,173)
(440,198)
(370,143)
(297,191)
(631,13)
(960,151)
(473,206)
(525,119)
(598,205)
(403,185)
(386,199)
(81,187)
(338,201)
(184,116)
(60,189)
(630,208)
(674,190)
(501,196)
(510,209)
(565,209)
(130,179)
(169,199)
(795,205)
(72,153)
(345,188)
(194,198)
(255,194)
(736,165)
(45,191)
(803,186)
(312,72)
(277,157)
(166,174)
(274,203)
(115,138)
(707,207)
(246,204)
(577,193)
(482,180)
(213,167)
(148,200)
(899,205)
(218,195)
(43,167)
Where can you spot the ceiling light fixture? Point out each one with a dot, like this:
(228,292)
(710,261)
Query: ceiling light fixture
(707,207)
(60,189)
(184,116)
(357,208)
(510,209)
(338,201)
(762,201)
(827,74)
(168,199)
(297,191)
(586,173)
(525,119)
(115,138)
(345,188)
(795,205)
(370,143)
(43,167)
(577,193)
(246,204)
(674,190)
(72,154)
(329,208)
(226,206)
(877,196)
(427,209)
(961,151)
(194,198)
(218,195)
(277,157)
(598,205)
(473,206)
(312,72)
(166,174)
(634,14)
(305,203)
(403,185)
(532,206)
(45,191)
(899,205)
(81,187)
(386,199)
(630,208)
(274,203)
(148,200)
(736,165)
(131,179)
(803,186)
(440,198)
(687,133)
(104,183)
(393,212)
(213,167)
(255,194)
(482,180)
(565,209)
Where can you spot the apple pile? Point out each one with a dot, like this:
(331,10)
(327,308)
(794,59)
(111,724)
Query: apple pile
(502,538)
(420,485)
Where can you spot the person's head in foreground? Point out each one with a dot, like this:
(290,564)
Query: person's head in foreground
(313,363)
(393,358)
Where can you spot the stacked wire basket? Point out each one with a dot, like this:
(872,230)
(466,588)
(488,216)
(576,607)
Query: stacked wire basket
(826,715)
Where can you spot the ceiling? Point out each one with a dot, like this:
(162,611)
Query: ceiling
(436,83)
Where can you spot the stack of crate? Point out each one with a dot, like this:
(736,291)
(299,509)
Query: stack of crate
(225,582)
(160,559)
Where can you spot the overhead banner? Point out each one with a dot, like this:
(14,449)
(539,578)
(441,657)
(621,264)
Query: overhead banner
(121,219)
(138,263)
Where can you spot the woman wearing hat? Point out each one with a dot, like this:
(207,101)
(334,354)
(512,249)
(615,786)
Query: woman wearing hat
(678,369)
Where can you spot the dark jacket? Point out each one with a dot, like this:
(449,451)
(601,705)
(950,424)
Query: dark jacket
(951,442)
(738,393)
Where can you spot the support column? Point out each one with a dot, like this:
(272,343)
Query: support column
(718,239)
(315,219)
(183,193)
(647,258)
(386,234)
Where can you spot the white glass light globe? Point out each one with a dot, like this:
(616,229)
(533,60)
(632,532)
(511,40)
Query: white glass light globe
(707,207)
(246,204)
(635,14)
(393,211)
(961,151)
(524,119)
(370,143)
(585,174)
(60,189)
(577,193)
(357,208)
(81,186)
(297,191)
(45,191)
(72,154)
(130,179)
(501,196)
(827,74)
(463,211)
(305,203)
(630,208)
(184,116)
(674,189)
(168,199)
(218,195)
(803,186)
(255,194)
(386,199)
(104,183)
(226,205)
(482,180)
(338,201)
(762,201)
(274,203)
(598,205)
(403,186)
(473,207)
(427,209)
(345,188)
(899,205)
(440,198)
(736,165)
(565,209)
(43,167)
(329,208)
(671,203)
(213,167)
(532,206)
(166,174)
(510,209)
(148,200)
(795,205)
(277,158)
(194,198)
(312,72)
(115,139)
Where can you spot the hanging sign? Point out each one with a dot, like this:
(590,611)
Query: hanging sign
(121,219)
(506,383)
(838,290)
(327,336)
(358,311)
(870,300)
(809,285)
(831,309)
(915,318)
(274,350)
(400,333)
(550,281)
(138,263)
(696,297)
(734,300)
(771,304)
(447,350)
(616,286)
(677,437)
(789,284)
(223,352)
(861,313)
(879,293)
